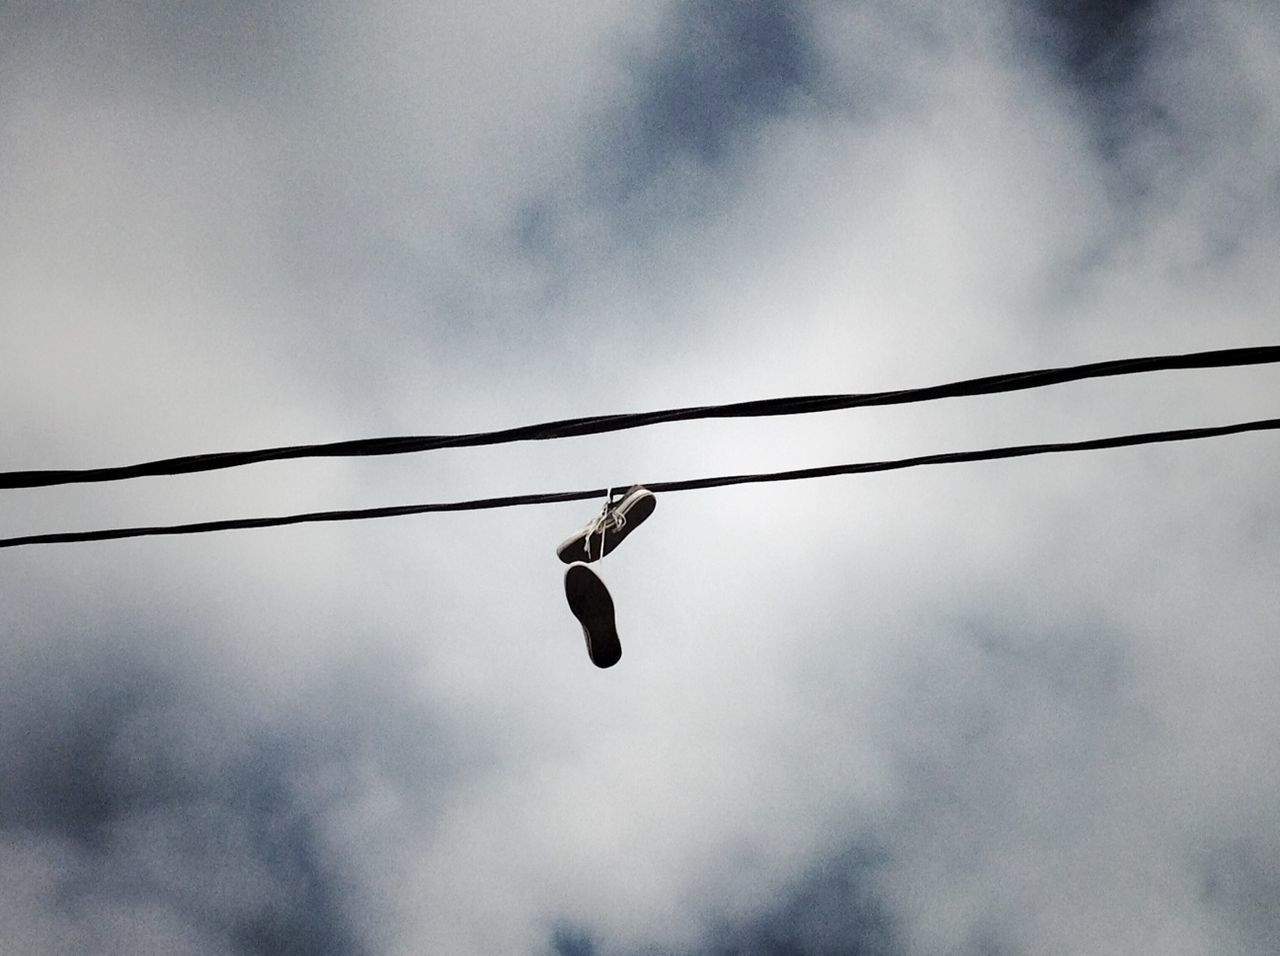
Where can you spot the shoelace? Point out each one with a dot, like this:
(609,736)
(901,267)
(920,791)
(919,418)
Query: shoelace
(607,518)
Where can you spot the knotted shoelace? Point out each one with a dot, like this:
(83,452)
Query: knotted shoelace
(606,519)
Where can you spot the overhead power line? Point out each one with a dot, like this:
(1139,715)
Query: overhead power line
(597,424)
(479,504)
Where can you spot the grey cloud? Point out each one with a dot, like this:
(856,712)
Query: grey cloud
(1177,106)
(1244,881)
(215,56)
(720,71)
(1097,44)
(1013,708)
(667,143)
(170,801)
(833,911)
(570,941)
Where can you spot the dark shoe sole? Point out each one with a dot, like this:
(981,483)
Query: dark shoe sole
(573,550)
(593,607)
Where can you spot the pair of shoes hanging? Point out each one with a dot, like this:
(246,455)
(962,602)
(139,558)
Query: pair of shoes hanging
(588,597)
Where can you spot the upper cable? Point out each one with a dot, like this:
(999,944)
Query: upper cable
(597,424)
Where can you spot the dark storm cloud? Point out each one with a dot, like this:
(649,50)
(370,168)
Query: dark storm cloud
(721,70)
(1096,50)
(692,110)
(1096,44)
(725,68)
(571,941)
(61,778)
(167,799)
(832,910)
(153,830)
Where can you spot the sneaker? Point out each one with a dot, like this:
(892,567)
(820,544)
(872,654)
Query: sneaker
(615,521)
(593,607)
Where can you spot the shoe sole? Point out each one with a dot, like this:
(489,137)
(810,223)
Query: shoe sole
(592,605)
(640,509)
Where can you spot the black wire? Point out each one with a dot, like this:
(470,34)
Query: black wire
(988,454)
(597,424)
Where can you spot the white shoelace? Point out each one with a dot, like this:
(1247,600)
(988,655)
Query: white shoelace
(607,518)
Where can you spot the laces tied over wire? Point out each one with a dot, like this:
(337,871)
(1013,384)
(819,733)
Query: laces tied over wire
(606,519)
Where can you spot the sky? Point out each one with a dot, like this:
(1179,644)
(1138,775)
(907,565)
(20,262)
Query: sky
(985,710)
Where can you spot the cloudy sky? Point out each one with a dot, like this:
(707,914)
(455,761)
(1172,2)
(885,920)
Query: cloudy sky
(989,709)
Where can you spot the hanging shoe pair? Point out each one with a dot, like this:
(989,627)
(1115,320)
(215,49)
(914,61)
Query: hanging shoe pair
(588,598)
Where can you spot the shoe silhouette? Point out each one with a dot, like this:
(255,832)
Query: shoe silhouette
(593,607)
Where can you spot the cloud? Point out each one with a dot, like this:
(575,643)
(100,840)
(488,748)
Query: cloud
(147,819)
(1096,44)
(1010,707)
(718,75)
